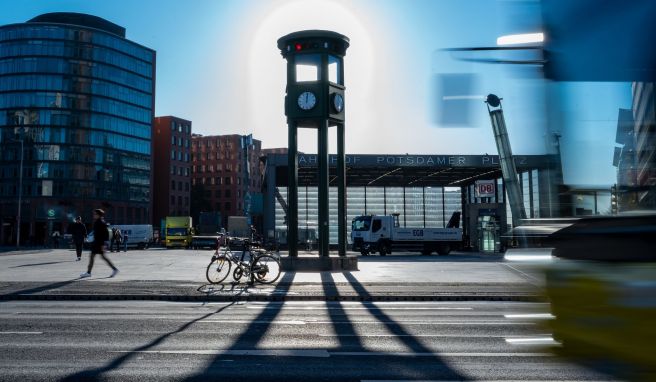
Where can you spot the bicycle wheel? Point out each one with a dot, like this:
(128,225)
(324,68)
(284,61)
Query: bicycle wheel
(266,268)
(218,269)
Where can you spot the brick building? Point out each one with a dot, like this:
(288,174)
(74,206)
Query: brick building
(226,176)
(172,168)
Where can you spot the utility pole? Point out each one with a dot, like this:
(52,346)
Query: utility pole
(506,160)
(20,193)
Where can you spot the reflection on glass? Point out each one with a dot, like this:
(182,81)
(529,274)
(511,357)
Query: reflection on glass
(333,70)
(307,67)
(307,73)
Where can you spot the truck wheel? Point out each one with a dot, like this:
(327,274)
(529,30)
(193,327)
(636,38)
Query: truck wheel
(383,248)
(443,249)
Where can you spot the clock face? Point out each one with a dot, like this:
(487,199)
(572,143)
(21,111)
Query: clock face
(307,100)
(338,102)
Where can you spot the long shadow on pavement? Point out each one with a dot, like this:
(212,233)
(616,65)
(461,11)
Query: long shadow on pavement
(343,327)
(249,338)
(428,356)
(38,264)
(97,373)
(328,367)
(41,288)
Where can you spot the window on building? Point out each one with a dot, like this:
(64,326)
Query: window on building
(172,140)
(227,206)
(228,180)
(173,185)
(172,170)
(172,154)
(217,193)
(186,171)
(180,156)
(202,168)
(186,201)
(180,130)
(186,141)
(172,200)
(238,181)
(179,200)
(180,171)
(218,180)
(186,186)
(172,126)
(228,193)
(211,168)
(179,186)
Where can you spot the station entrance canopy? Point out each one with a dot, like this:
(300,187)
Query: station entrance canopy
(405,170)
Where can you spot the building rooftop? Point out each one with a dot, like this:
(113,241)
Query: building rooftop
(81,19)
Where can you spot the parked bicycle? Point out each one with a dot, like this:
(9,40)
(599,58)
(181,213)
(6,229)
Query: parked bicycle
(256,264)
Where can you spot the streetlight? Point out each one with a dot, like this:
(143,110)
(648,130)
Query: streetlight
(20,193)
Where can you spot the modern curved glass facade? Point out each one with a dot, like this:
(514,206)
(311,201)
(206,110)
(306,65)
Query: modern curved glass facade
(80,97)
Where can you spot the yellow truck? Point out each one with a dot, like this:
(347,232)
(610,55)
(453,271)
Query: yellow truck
(178,232)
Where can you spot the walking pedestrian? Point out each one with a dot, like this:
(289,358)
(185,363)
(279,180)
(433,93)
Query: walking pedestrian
(55,239)
(100,236)
(79,232)
(117,238)
(112,240)
(125,242)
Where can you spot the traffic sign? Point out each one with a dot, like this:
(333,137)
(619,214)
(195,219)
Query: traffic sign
(485,188)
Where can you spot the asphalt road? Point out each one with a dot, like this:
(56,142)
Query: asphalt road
(271,341)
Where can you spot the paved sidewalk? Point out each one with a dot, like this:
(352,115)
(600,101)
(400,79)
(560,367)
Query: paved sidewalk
(180,275)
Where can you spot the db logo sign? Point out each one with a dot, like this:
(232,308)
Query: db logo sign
(485,188)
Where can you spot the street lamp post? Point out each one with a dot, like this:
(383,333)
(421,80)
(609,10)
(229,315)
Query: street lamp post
(20,193)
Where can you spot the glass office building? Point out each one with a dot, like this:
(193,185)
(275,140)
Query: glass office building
(79,97)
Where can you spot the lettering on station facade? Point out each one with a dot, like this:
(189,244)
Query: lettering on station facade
(310,160)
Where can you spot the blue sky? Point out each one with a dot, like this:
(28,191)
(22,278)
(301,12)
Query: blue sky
(218,65)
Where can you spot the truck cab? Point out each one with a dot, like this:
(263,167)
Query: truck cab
(370,232)
(178,231)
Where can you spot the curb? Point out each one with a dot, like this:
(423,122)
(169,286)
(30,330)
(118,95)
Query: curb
(268,298)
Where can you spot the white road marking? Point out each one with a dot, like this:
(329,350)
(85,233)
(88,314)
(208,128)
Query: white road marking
(410,354)
(277,322)
(377,322)
(542,316)
(352,308)
(532,341)
(326,354)
(26,333)
(477,380)
(268,352)
(418,335)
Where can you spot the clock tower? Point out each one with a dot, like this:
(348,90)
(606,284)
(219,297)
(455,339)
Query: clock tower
(315,99)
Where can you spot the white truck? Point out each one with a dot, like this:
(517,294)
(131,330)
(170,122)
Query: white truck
(376,233)
(139,235)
